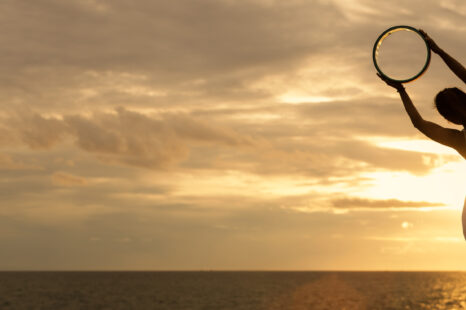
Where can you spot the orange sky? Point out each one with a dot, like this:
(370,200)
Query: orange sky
(222,135)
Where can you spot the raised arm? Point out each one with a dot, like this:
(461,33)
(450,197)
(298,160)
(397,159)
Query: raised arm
(452,63)
(446,136)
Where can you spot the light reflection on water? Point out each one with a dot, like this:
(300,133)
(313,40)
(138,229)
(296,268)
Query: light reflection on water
(233,290)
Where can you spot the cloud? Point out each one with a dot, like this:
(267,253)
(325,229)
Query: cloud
(68,180)
(151,142)
(215,141)
(377,204)
(196,95)
(198,52)
(8,162)
(35,130)
(146,31)
(128,137)
(195,79)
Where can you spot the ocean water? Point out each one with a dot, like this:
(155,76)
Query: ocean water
(232,290)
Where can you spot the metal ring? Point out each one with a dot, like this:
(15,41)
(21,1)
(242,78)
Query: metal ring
(385,34)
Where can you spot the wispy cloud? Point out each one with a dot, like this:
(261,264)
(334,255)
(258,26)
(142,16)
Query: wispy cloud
(376,204)
(66,179)
(203,126)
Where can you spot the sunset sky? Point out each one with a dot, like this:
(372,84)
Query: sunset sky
(222,134)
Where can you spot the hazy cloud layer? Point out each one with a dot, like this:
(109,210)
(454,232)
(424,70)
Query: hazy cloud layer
(153,131)
(127,137)
(165,140)
(358,203)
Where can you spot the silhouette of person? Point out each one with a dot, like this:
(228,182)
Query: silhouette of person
(450,103)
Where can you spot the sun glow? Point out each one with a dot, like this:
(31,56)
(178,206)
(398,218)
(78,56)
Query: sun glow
(423,146)
(444,185)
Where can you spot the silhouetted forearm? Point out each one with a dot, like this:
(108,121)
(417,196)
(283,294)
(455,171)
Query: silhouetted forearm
(453,64)
(414,115)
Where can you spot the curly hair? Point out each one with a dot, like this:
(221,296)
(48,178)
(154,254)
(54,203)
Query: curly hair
(448,101)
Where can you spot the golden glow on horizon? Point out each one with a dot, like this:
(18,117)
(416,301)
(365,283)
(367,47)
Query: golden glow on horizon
(277,141)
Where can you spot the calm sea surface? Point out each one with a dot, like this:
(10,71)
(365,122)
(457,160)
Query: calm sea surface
(232,290)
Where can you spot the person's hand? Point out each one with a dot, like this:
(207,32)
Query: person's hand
(432,45)
(395,84)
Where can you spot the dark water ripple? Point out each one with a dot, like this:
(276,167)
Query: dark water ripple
(232,290)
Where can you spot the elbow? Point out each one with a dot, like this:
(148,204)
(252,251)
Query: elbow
(417,123)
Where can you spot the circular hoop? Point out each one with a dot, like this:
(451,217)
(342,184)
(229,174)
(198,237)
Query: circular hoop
(384,35)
